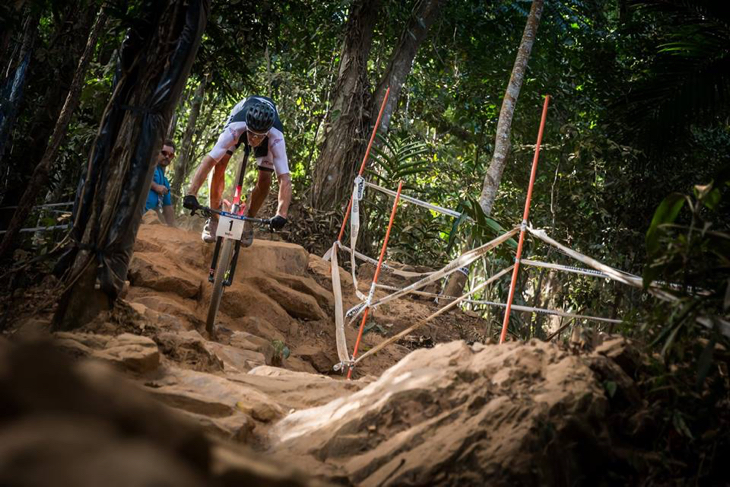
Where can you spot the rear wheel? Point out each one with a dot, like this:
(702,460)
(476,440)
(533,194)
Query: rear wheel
(221,269)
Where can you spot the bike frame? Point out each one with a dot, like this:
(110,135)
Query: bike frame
(238,209)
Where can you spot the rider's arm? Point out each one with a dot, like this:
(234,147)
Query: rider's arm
(277,146)
(285,189)
(201,174)
(221,152)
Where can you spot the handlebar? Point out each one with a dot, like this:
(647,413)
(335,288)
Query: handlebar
(206,211)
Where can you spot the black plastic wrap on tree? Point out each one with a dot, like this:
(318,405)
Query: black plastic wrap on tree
(116,246)
(11,94)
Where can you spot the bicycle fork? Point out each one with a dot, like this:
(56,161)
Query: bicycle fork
(231,272)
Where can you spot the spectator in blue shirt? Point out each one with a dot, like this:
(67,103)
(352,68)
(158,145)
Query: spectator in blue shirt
(159,197)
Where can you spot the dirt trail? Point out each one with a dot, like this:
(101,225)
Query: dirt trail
(280,293)
(457,414)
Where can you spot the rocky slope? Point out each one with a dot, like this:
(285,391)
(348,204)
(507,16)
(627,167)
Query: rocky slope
(457,414)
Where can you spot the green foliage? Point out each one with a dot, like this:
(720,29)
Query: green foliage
(691,254)
(480,228)
(397,159)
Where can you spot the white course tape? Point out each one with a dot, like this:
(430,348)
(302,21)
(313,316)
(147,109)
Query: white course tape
(342,352)
(461,261)
(405,332)
(566,268)
(415,201)
(626,278)
(354,231)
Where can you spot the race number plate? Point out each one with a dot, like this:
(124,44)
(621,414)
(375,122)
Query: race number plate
(230,226)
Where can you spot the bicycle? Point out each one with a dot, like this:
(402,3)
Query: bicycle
(228,243)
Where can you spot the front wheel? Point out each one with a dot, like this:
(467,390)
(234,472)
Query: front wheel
(221,269)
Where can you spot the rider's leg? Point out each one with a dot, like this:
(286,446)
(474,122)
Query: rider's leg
(218,182)
(259,193)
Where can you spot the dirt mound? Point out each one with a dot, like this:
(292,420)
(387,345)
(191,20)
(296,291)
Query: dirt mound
(280,294)
(454,414)
(515,414)
(81,424)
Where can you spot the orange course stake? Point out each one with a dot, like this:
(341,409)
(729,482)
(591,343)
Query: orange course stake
(364,162)
(505,324)
(375,277)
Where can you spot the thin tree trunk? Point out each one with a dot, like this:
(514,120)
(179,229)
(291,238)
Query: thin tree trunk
(614,310)
(401,62)
(155,61)
(196,153)
(345,137)
(455,284)
(506,114)
(182,168)
(42,170)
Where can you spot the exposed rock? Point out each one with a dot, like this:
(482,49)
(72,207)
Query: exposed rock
(162,307)
(514,414)
(297,390)
(247,301)
(209,395)
(259,327)
(69,451)
(306,285)
(248,341)
(148,270)
(622,352)
(236,359)
(320,360)
(299,365)
(321,269)
(235,467)
(265,257)
(237,427)
(87,409)
(80,423)
(136,353)
(296,304)
(88,341)
(189,349)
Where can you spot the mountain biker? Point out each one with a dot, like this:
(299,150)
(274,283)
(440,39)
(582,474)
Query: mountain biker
(253,121)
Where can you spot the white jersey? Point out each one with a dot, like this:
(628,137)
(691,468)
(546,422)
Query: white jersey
(270,155)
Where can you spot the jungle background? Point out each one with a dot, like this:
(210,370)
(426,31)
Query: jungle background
(633,169)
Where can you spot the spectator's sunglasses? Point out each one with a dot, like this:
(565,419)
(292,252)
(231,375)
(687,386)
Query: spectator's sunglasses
(167,154)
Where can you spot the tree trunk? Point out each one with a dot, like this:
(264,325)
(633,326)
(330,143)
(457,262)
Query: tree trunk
(401,61)
(506,114)
(48,84)
(42,170)
(455,284)
(345,138)
(154,64)
(182,168)
(11,90)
